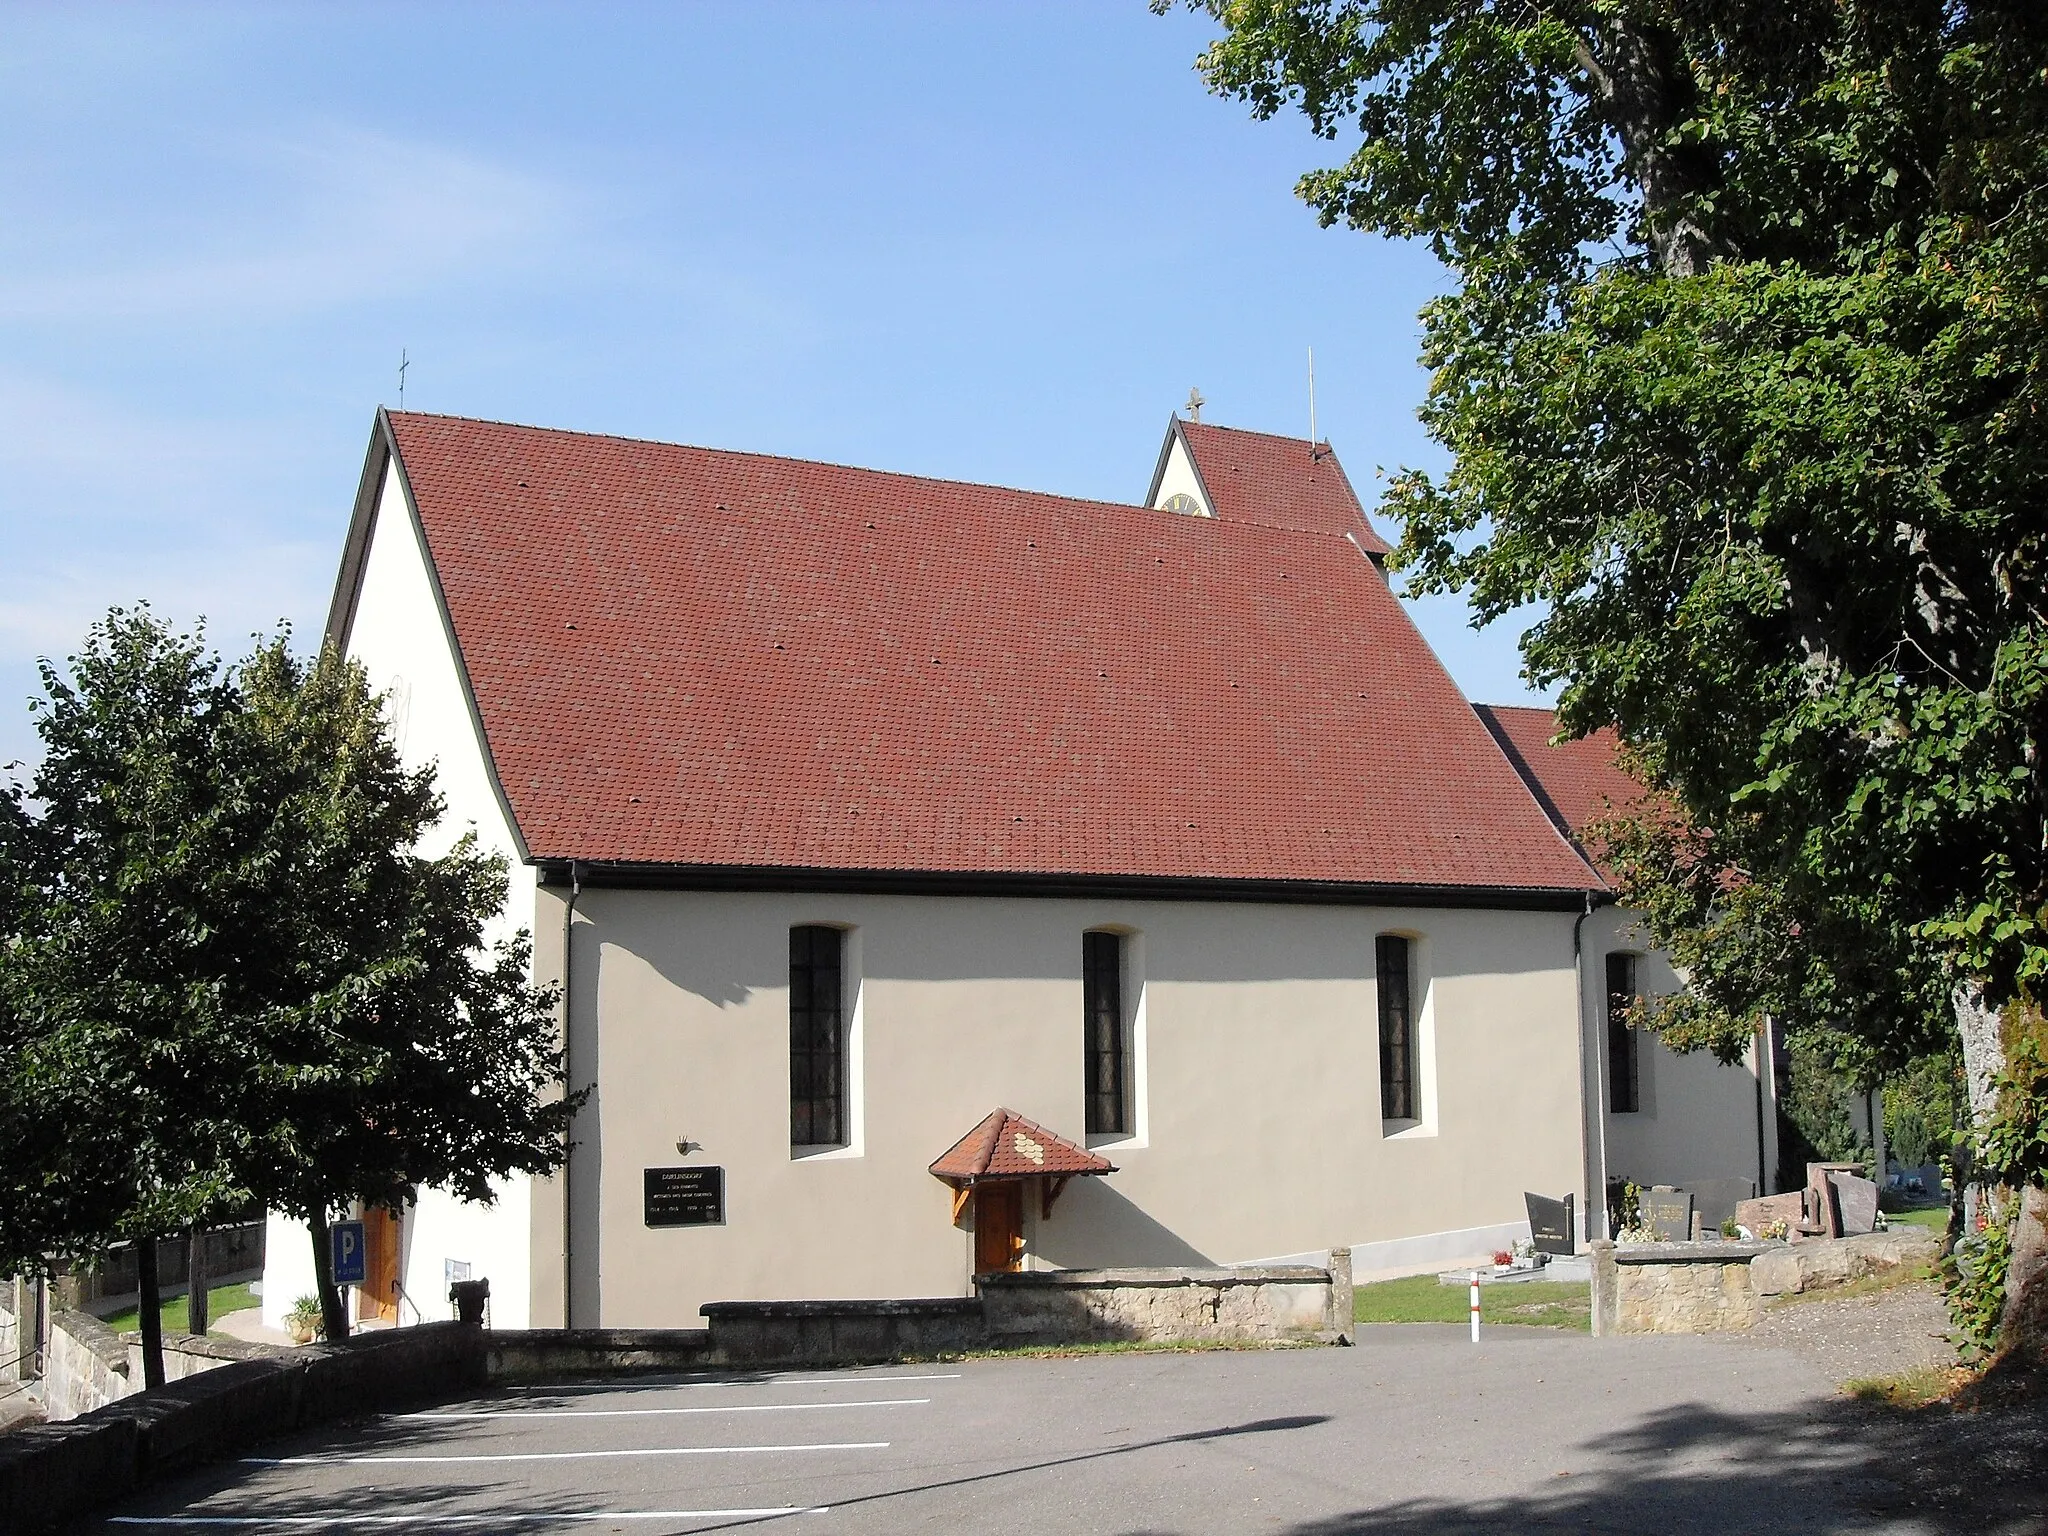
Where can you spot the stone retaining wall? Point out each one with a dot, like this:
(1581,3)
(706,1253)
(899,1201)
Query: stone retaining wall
(51,1473)
(542,1354)
(1170,1305)
(1718,1287)
(85,1366)
(842,1332)
(1673,1287)
(89,1366)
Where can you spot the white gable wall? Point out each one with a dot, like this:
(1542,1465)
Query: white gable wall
(398,635)
(1179,478)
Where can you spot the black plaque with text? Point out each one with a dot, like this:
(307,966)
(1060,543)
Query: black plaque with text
(685,1197)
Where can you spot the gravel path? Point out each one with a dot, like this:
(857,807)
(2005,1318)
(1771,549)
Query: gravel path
(1849,1338)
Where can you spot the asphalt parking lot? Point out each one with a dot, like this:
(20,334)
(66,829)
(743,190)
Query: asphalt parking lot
(1414,1431)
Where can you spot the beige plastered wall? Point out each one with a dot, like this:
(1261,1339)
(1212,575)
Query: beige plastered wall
(1261,1132)
(1698,1118)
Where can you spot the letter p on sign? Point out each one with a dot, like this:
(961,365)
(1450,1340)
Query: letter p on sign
(347,1237)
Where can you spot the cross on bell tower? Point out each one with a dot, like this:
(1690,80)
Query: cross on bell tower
(1195,404)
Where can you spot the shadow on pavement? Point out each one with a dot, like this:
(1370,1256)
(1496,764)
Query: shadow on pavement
(1843,1467)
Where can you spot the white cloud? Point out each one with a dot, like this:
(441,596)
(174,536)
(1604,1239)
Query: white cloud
(325,219)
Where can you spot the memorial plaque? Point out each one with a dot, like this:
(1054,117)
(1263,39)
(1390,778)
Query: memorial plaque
(1550,1223)
(684,1197)
(1668,1213)
(1856,1199)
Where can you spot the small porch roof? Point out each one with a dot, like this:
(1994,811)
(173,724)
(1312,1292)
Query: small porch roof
(1007,1146)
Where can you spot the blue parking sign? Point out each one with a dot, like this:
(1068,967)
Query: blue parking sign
(347,1238)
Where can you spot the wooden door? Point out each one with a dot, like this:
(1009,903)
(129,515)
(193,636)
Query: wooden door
(998,1227)
(379,1301)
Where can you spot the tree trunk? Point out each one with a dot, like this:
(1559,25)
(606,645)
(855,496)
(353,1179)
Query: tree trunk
(151,1311)
(333,1314)
(1983,1060)
(196,1281)
(2023,1325)
(2023,1328)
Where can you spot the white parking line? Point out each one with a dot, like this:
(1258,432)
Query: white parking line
(653,1413)
(787,1381)
(678,1450)
(496,1518)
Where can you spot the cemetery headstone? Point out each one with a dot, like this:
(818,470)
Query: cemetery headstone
(1827,1211)
(1714,1200)
(1668,1213)
(1550,1223)
(1763,1211)
(1856,1200)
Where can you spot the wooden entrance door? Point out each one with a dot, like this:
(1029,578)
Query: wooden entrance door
(998,1227)
(379,1300)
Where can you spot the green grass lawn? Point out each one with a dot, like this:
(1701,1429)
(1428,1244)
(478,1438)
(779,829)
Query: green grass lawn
(220,1301)
(1934,1217)
(1422,1299)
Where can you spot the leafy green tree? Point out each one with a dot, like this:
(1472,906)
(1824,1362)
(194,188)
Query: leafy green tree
(398,1050)
(1740,371)
(114,1030)
(231,971)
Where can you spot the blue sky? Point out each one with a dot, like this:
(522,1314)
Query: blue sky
(986,241)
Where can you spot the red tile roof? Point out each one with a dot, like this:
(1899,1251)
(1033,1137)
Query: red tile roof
(682,656)
(1281,482)
(1579,782)
(1007,1146)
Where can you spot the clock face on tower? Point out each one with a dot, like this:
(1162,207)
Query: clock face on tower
(1184,504)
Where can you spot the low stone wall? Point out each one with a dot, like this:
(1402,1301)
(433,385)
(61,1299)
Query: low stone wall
(542,1354)
(755,1333)
(53,1472)
(1673,1287)
(1717,1287)
(1169,1305)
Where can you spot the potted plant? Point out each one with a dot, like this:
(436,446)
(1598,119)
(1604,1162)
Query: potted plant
(1503,1262)
(303,1323)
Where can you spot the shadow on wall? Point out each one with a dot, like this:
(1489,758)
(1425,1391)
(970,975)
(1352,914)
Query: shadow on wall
(1095,1227)
(728,951)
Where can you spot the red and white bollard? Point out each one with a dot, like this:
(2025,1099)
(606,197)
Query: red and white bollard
(1475,1306)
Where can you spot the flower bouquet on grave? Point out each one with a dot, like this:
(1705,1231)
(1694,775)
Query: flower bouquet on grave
(1503,1262)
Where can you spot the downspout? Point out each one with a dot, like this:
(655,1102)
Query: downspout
(1759,1053)
(569,1084)
(1599,1109)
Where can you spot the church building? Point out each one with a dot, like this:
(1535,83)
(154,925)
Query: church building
(942,878)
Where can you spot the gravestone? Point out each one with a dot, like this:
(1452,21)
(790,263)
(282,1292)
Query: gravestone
(1827,1210)
(1856,1200)
(1551,1228)
(1668,1213)
(1714,1200)
(1761,1212)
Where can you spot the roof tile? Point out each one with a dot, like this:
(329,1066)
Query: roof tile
(1007,1146)
(688,656)
(1280,482)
